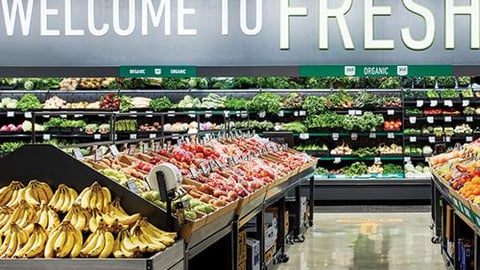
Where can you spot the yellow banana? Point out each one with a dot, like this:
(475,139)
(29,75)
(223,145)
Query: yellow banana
(85,200)
(95,252)
(127,242)
(128,220)
(13,199)
(5,244)
(61,239)
(77,247)
(93,221)
(58,206)
(72,194)
(108,247)
(81,221)
(5,195)
(53,220)
(47,190)
(99,199)
(49,251)
(41,194)
(90,243)
(107,196)
(30,195)
(109,220)
(117,253)
(28,245)
(39,245)
(12,246)
(67,201)
(43,216)
(64,250)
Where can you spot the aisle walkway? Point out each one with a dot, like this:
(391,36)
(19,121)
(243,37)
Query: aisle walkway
(367,241)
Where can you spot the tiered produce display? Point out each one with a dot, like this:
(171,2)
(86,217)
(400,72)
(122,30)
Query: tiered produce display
(39,221)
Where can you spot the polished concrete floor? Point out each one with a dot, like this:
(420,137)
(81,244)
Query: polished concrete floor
(367,241)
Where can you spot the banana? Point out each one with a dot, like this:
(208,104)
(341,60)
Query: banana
(28,246)
(38,246)
(43,216)
(109,220)
(5,215)
(31,195)
(57,202)
(107,197)
(126,247)
(5,244)
(99,245)
(108,247)
(61,240)
(47,191)
(94,220)
(117,253)
(64,250)
(90,243)
(13,199)
(128,220)
(5,195)
(53,220)
(93,199)
(99,200)
(12,246)
(117,207)
(134,237)
(77,246)
(49,252)
(85,200)
(67,201)
(153,246)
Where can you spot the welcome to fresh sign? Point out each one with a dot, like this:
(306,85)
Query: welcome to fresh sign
(238,32)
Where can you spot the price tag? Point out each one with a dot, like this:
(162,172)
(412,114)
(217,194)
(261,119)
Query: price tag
(351,112)
(101,115)
(46,137)
(219,163)
(244,115)
(295,113)
(152,135)
(208,114)
(10,114)
(191,114)
(448,103)
(281,113)
(193,172)
(133,136)
(390,112)
(303,113)
(469,119)
(27,115)
(337,160)
(391,135)
(63,116)
(465,102)
(98,154)
(262,114)
(430,119)
(335,136)
(419,103)
(469,138)
(431,139)
(145,147)
(78,115)
(358,112)
(373,135)
(407,159)
(78,154)
(235,159)
(448,119)
(133,187)
(114,150)
(377,160)
(354,136)
(204,168)
(131,149)
(433,103)
(171,113)
(157,146)
(97,136)
(148,114)
(226,113)
(413,139)
(412,119)
(304,136)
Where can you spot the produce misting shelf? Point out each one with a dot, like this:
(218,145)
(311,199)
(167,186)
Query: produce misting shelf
(349,134)
(349,158)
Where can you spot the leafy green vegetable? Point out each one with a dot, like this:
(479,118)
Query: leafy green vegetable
(29,102)
(392,169)
(160,104)
(267,102)
(297,127)
(236,103)
(292,101)
(357,168)
(314,104)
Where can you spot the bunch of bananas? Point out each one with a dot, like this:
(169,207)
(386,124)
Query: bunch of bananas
(13,241)
(63,198)
(78,217)
(37,192)
(30,224)
(35,244)
(11,194)
(95,196)
(98,244)
(48,218)
(63,241)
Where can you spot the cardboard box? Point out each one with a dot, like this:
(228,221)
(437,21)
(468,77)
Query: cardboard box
(271,235)
(269,254)
(242,266)
(242,247)
(449,223)
(253,254)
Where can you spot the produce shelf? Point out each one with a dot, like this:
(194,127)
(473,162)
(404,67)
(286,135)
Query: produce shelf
(50,164)
(349,134)
(352,158)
